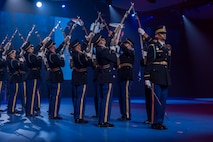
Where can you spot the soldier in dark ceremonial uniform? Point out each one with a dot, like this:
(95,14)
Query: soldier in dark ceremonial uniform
(33,77)
(14,66)
(148,97)
(22,93)
(55,78)
(105,60)
(79,80)
(125,78)
(2,74)
(157,77)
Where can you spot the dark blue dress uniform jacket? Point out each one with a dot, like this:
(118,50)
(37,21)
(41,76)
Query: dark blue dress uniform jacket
(14,69)
(34,64)
(126,63)
(55,63)
(79,73)
(105,58)
(158,64)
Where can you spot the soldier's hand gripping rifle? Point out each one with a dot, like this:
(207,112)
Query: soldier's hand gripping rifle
(117,31)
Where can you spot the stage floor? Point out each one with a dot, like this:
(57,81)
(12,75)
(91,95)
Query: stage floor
(188,120)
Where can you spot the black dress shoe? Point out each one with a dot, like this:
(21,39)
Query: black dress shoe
(123,119)
(56,118)
(29,115)
(81,121)
(95,116)
(163,126)
(159,126)
(106,125)
(147,122)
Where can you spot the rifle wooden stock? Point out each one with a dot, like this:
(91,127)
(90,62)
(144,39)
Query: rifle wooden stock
(141,38)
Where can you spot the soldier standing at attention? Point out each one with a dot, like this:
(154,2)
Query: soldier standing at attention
(157,77)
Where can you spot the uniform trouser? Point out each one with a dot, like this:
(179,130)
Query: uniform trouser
(55,99)
(96,98)
(33,97)
(124,98)
(159,97)
(148,102)
(105,102)
(37,104)
(79,100)
(23,93)
(13,89)
(1,84)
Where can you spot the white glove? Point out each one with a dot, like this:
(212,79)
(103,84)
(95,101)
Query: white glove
(117,49)
(141,31)
(21,59)
(117,55)
(113,48)
(148,83)
(4,57)
(62,56)
(89,55)
(97,27)
(144,54)
(46,40)
(93,57)
(40,54)
(67,38)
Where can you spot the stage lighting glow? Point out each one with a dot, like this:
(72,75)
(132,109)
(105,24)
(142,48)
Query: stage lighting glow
(39,4)
(63,6)
(133,15)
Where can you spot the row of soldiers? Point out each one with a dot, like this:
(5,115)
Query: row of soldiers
(103,55)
